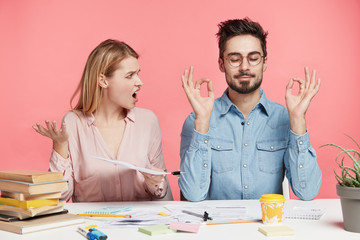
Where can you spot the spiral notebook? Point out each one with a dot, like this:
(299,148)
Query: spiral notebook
(304,212)
(109,210)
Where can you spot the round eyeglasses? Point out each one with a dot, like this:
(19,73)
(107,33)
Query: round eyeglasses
(235,60)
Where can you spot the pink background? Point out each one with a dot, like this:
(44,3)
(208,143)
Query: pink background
(44,45)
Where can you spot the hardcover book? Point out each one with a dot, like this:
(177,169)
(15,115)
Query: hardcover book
(42,223)
(31,176)
(29,197)
(28,204)
(33,188)
(23,213)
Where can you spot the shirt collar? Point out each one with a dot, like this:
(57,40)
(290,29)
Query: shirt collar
(129,117)
(226,103)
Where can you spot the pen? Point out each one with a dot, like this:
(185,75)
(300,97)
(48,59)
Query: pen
(104,215)
(205,217)
(82,231)
(175,173)
(234,221)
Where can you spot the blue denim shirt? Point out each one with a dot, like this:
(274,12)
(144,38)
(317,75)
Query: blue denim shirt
(244,158)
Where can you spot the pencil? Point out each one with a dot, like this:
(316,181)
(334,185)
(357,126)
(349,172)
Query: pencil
(104,215)
(233,221)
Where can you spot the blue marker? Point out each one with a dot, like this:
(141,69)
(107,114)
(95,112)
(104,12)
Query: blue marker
(95,234)
(92,234)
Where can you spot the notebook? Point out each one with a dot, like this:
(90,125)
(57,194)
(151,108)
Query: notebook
(303,212)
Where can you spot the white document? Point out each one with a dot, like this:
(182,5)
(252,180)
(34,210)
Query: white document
(128,165)
(217,212)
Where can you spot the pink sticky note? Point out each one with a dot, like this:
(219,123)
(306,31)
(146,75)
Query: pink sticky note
(186,227)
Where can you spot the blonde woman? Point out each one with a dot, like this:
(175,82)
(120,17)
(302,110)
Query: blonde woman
(106,123)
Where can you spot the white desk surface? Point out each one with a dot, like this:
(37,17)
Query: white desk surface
(330,226)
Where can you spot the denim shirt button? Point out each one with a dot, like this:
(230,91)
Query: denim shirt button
(244,165)
(205,164)
(246,187)
(301,142)
(218,147)
(245,144)
(272,147)
(248,123)
(300,166)
(206,141)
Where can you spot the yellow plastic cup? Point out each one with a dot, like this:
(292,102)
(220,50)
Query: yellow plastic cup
(272,207)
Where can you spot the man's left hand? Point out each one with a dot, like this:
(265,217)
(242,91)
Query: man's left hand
(297,105)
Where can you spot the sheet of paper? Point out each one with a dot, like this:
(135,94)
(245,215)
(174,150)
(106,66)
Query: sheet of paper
(139,217)
(128,165)
(146,217)
(217,212)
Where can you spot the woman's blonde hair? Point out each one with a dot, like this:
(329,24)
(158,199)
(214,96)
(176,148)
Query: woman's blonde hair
(104,59)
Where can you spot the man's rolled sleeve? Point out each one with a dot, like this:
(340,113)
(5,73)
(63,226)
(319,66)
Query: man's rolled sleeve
(195,165)
(305,172)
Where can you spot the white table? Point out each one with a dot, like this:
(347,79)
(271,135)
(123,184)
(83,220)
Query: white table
(330,226)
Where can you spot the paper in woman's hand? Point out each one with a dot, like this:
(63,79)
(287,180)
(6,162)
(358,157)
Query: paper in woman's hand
(128,165)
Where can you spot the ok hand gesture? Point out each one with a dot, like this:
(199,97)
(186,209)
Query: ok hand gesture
(298,104)
(202,106)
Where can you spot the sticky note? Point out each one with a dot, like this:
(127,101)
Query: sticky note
(163,214)
(185,227)
(276,230)
(90,226)
(156,230)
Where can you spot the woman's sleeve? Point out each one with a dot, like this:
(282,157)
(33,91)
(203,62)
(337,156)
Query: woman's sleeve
(64,165)
(60,164)
(156,159)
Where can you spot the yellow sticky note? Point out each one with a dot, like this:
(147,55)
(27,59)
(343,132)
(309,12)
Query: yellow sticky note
(90,226)
(276,230)
(163,214)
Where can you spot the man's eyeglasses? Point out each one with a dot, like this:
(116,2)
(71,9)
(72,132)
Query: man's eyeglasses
(236,59)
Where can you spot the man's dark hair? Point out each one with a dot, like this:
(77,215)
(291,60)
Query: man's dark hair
(236,27)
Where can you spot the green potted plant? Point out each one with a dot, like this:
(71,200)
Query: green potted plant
(348,187)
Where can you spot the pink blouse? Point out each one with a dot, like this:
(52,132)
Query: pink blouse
(93,180)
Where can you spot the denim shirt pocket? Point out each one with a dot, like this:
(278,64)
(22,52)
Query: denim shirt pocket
(222,155)
(271,155)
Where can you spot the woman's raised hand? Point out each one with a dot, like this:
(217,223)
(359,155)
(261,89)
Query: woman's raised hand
(59,136)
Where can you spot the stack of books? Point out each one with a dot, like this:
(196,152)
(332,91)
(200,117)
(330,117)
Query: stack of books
(28,195)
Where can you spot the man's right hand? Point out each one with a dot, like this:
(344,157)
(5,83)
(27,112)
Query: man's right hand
(202,106)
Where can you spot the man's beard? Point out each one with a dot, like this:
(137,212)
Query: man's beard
(245,87)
